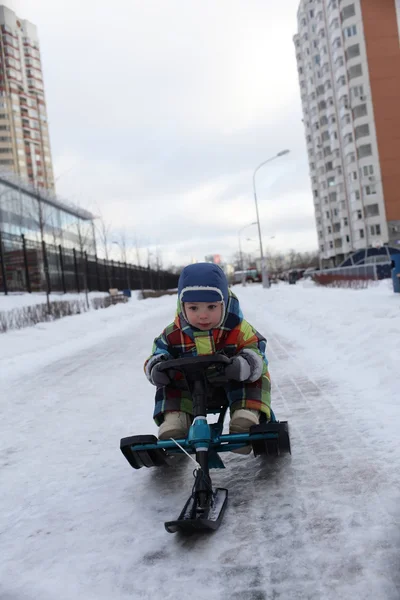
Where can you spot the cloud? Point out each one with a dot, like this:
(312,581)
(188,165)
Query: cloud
(160,111)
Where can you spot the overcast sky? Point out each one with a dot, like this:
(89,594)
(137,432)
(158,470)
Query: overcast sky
(160,110)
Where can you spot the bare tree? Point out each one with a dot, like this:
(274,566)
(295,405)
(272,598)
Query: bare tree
(104,231)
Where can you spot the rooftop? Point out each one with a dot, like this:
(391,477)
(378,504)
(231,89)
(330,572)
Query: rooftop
(48,197)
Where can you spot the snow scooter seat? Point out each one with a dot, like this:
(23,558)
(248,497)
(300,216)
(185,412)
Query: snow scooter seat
(204,377)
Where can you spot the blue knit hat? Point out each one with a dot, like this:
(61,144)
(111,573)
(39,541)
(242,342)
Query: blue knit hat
(203,282)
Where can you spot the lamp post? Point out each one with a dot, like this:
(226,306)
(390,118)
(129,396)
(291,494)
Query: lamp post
(240,244)
(264,269)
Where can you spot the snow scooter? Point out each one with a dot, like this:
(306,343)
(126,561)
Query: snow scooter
(204,376)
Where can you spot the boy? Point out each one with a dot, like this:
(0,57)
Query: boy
(209,320)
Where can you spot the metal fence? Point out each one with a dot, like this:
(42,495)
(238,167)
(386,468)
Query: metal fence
(353,276)
(28,266)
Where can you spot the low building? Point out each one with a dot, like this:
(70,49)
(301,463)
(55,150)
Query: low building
(41,216)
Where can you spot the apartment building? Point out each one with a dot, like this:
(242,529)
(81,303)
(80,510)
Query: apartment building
(348,58)
(24,134)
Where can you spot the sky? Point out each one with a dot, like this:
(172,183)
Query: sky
(159,113)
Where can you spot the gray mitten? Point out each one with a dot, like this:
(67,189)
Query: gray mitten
(246,366)
(158,377)
(153,374)
(239,369)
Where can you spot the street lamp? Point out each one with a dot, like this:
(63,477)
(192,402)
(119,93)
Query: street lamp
(240,245)
(264,270)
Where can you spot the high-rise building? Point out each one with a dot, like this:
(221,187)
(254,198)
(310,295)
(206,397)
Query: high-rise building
(24,134)
(348,58)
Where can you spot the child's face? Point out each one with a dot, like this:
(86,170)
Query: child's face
(203,315)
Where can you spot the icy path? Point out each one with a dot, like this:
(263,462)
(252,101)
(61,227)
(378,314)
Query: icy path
(77,522)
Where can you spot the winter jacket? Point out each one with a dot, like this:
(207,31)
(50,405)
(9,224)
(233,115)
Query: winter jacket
(234,334)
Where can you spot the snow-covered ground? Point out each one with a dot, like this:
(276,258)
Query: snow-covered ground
(77,522)
(16,300)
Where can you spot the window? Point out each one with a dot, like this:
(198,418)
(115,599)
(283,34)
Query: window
(329,166)
(355,71)
(350,31)
(345,222)
(352,51)
(347,12)
(365,150)
(345,120)
(328,216)
(361,131)
(377,229)
(331,181)
(357,90)
(344,101)
(370,190)
(337,43)
(360,111)
(338,243)
(348,138)
(331,245)
(367,170)
(372,210)
(339,62)
(336,227)
(341,81)
(361,233)
(325,136)
(329,229)
(332,196)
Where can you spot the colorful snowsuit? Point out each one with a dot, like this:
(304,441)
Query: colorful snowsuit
(179,339)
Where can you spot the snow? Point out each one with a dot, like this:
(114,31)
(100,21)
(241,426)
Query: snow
(77,522)
(19,300)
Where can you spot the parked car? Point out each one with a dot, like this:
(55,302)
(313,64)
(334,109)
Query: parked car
(250,276)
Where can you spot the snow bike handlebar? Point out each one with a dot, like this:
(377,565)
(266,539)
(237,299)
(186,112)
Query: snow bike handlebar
(210,368)
(195,363)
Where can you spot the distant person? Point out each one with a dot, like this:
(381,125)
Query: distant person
(209,320)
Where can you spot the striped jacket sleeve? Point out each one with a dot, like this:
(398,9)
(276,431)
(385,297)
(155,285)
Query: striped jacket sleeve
(160,352)
(252,345)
